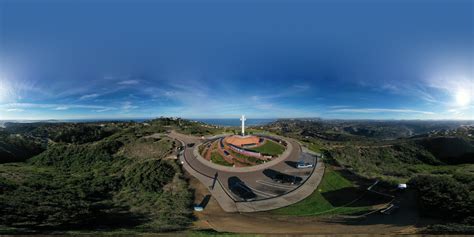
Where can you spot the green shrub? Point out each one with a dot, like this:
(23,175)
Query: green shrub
(443,197)
(149,176)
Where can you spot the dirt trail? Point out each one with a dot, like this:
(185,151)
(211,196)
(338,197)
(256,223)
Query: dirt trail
(215,218)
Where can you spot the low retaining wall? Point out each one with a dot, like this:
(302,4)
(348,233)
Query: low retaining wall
(288,151)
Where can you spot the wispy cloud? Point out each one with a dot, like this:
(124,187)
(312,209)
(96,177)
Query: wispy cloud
(379,110)
(127,106)
(128,82)
(338,106)
(89,96)
(62,108)
(53,106)
(15,110)
(103,110)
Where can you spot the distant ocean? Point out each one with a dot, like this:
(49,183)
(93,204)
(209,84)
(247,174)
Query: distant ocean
(218,122)
(235,122)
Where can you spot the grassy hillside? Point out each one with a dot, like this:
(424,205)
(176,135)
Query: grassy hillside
(449,198)
(400,160)
(15,148)
(109,184)
(450,150)
(334,195)
(436,159)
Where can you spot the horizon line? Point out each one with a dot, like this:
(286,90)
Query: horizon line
(191,119)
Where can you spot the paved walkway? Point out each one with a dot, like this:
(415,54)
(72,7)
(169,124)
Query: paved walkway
(206,175)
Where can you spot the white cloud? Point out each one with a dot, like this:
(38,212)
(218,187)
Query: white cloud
(128,82)
(61,108)
(380,110)
(53,106)
(15,110)
(103,110)
(339,106)
(127,106)
(89,96)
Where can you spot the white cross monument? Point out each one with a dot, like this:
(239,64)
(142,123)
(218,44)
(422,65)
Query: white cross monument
(243,124)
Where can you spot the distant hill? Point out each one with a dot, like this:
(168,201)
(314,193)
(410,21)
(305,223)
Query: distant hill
(450,150)
(347,130)
(15,148)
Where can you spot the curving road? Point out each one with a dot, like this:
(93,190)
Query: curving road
(269,194)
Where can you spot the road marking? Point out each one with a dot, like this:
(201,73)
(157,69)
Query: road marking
(261,193)
(274,184)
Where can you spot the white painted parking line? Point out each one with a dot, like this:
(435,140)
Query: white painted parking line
(261,193)
(275,185)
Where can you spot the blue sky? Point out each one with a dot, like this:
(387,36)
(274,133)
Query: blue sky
(218,59)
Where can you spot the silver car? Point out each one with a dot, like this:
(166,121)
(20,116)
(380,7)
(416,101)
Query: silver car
(303,165)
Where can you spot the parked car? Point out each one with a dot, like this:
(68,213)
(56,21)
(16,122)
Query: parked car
(303,165)
(289,179)
(279,177)
(239,188)
(190,144)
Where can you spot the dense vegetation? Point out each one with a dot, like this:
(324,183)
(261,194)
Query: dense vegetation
(109,183)
(402,159)
(450,198)
(15,147)
(357,130)
(66,132)
(436,158)
(116,176)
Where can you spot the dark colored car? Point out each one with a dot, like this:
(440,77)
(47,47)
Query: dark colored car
(239,188)
(190,145)
(282,178)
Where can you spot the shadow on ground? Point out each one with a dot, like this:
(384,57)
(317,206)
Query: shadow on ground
(346,197)
(205,201)
(292,164)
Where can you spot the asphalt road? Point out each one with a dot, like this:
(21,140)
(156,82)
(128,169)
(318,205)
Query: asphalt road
(260,184)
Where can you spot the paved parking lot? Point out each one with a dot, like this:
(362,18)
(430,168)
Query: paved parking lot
(254,185)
